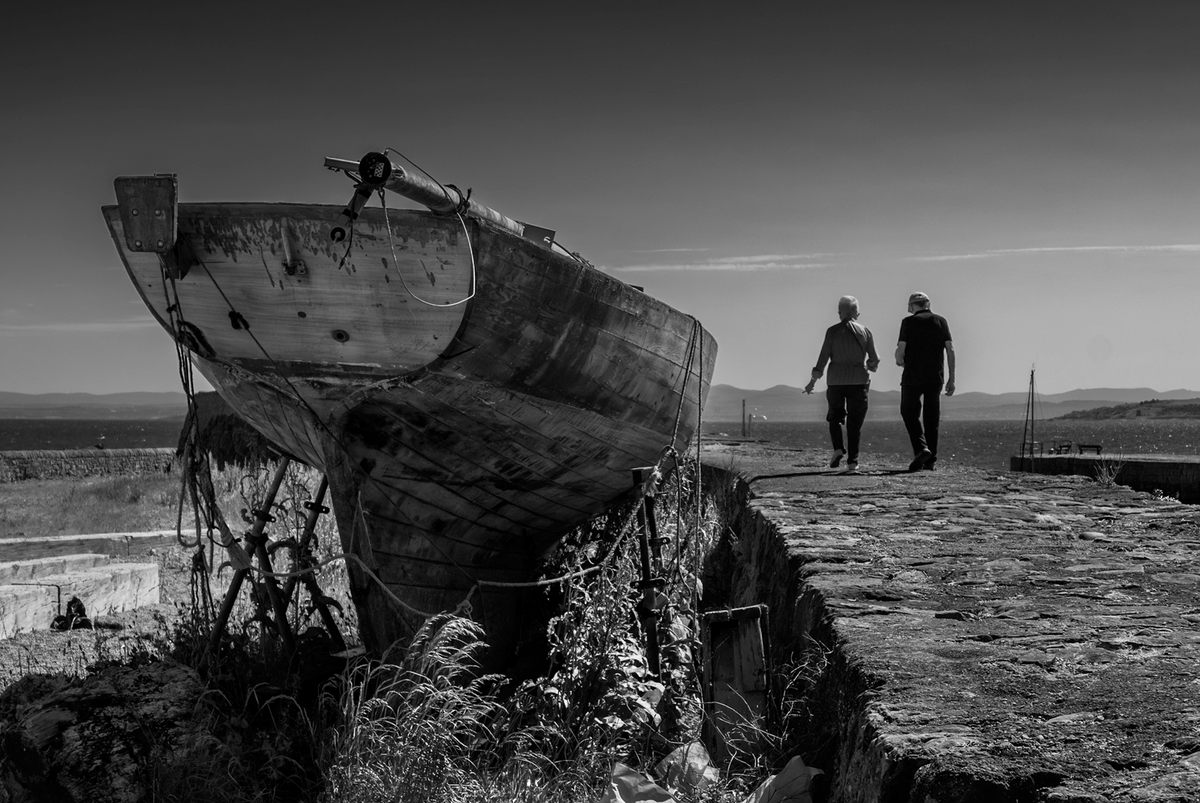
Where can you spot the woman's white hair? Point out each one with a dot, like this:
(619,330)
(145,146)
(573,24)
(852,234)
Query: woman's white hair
(848,308)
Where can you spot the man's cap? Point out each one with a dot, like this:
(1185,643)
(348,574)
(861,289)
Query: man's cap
(917,297)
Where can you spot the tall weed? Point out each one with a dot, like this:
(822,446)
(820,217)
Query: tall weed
(410,730)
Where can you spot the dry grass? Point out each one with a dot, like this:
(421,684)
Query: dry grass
(36,508)
(1108,469)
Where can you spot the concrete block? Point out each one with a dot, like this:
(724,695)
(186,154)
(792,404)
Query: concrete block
(24,571)
(104,589)
(25,608)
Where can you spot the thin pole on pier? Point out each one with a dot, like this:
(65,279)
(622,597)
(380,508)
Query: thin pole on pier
(743,418)
(650,583)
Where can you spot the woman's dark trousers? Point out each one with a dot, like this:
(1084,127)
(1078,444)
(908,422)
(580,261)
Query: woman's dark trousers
(847,403)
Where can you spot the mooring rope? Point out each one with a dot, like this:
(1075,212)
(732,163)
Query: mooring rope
(344,556)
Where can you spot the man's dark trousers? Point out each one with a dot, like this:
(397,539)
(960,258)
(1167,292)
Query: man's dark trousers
(846,403)
(912,413)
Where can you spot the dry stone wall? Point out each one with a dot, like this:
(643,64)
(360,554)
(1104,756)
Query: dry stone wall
(41,464)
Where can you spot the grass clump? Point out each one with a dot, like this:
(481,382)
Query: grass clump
(1107,470)
(38,508)
(413,729)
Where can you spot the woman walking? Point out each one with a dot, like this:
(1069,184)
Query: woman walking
(849,348)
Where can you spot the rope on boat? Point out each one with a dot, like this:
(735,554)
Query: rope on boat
(346,556)
(460,210)
(387,224)
(626,527)
(687,372)
(695,341)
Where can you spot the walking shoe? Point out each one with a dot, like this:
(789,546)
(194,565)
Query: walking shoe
(836,460)
(929,464)
(851,467)
(920,460)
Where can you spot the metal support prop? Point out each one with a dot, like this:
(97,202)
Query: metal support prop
(650,583)
(304,561)
(240,575)
(315,509)
(278,602)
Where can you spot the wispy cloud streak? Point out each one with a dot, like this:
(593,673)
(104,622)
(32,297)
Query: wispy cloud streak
(1178,248)
(671,250)
(755,262)
(1186,248)
(79,327)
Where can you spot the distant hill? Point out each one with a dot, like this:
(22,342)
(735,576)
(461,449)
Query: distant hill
(778,403)
(122,406)
(1152,408)
(785,403)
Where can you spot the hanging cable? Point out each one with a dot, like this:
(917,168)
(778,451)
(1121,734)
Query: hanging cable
(470,251)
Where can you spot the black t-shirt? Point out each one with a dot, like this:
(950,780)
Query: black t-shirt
(925,336)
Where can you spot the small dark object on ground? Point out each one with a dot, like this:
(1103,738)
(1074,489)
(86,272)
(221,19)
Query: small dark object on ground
(75,618)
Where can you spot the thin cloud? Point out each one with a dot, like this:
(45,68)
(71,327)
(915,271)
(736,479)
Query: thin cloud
(93,327)
(670,250)
(953,257)
(1179,248)
(755,262)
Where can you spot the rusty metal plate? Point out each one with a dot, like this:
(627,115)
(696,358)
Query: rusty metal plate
(149,211)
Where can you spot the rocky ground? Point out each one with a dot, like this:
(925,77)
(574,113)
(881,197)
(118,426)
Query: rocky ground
(1023,637)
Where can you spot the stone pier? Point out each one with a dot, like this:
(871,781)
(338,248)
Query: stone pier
(1172,475)
(967,635)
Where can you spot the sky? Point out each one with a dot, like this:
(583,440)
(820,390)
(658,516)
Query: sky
(1033,167)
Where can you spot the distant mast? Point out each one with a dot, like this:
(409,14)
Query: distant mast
(1027,435)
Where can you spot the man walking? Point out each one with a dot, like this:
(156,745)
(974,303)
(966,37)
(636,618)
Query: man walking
(924,338)
(849,348)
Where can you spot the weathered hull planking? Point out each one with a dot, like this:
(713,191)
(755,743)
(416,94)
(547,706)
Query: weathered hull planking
(460,440)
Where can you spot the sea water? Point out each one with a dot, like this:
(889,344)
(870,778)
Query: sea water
(19,434)
(984,444)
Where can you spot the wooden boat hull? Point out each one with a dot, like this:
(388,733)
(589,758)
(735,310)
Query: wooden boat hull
(461,440)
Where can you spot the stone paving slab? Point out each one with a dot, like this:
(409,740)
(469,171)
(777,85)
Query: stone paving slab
(1017,636)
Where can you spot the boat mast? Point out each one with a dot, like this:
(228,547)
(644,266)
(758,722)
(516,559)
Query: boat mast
(376,171)
(1027,434)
